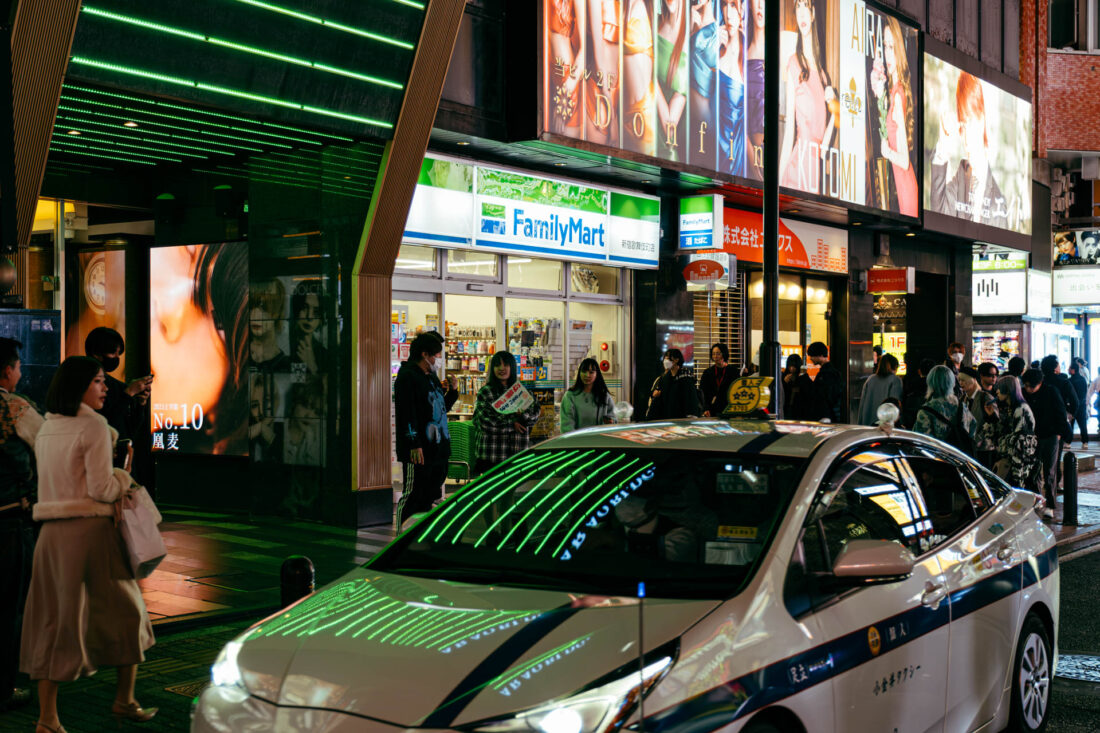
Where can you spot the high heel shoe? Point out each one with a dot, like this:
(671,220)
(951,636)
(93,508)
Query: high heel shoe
(132,711)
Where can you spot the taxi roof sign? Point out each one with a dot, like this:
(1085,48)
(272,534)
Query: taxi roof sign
(748,395)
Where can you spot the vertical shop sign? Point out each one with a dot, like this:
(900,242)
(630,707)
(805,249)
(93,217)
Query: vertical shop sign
(1039,301)
(701,222)
(635,229)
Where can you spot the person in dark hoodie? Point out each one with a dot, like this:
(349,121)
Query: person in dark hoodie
(673,394)
(1051,427)
(423,443)
(1052,374)
(827,394)
(1078,378)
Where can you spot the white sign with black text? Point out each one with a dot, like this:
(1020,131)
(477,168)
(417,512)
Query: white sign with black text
(1000,292)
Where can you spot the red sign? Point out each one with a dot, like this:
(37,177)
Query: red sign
(801,245)
(891,280)
(702,272)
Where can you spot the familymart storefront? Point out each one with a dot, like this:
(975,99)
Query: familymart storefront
(496,258)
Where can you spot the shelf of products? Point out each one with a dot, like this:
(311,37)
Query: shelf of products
(467,351)
(996,346)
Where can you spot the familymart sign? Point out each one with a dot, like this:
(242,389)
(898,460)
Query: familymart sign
(467,206)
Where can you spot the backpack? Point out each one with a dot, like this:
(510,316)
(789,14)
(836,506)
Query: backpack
(957,434)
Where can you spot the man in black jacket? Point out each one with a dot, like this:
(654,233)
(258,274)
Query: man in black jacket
(1052,374)
(1080,384)
(1051,427)
(826,395)
(421,404)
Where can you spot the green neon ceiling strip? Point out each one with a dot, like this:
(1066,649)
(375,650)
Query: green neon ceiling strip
(310,177)
(62,141)
(333,24)
(552,512)
(411,4)
(526,495)
(142,134)
(545,465)
(146,74)
(97,155)
(158,103)
(317,171)
(322,162)
(95,136)
(129,20)
(458,500)
(170,126)
(599,486)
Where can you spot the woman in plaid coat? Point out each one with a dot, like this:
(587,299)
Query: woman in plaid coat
(499,436)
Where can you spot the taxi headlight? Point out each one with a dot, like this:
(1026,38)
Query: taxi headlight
(226,673)
(600,709)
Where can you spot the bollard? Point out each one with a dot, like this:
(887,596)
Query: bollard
(295,579)
(1069,490)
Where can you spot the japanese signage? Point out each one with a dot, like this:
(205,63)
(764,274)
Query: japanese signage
(1077,286)
(683,82)
(466,206)
(801,245)
(700,222)
(891,280)
(1081,247)
(977,149)
(515,399)
(747,395)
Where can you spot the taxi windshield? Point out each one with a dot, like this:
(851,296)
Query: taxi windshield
(688,524)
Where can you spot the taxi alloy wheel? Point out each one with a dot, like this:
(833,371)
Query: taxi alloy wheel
(1031,681)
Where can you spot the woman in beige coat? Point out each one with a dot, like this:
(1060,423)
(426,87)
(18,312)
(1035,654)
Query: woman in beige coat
(84,609)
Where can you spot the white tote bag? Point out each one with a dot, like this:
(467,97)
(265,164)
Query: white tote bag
(137,521)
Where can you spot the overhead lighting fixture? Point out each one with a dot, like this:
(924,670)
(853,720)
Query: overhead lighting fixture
(910,234)
(73,132)
(857,223)
(129,123)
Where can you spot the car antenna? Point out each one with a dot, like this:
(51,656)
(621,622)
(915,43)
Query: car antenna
(641,656)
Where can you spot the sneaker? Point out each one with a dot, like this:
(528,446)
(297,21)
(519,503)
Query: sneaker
(1048,514)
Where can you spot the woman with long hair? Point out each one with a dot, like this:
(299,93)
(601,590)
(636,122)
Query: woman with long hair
(1010,428)
(499,436)
(639,100)
(808,126)
(588,402)
(897,144)
(731,88)
(791,385)
(672,71)
(884,383)
(564,106)
(601,88)
(754,90)
(937,414)
(704,62)
(84,609)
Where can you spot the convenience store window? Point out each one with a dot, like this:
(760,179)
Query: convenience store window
(471,340)
(534,335)
(594,279)
(413,259)
(529,273)
(464,264)
(595,330)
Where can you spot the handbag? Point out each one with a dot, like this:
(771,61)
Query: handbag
(137,519)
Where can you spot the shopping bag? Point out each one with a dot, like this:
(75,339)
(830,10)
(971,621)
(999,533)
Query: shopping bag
(137,522)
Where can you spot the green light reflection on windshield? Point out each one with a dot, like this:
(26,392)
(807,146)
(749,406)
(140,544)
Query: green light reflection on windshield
(546,515)
(596,506)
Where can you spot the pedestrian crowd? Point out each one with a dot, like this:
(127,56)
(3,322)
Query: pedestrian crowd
(69,601)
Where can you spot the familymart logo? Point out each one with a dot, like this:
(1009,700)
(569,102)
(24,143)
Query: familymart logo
(554,228)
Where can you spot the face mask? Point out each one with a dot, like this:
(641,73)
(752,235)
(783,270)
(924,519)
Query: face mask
(110,363)
(668,364)
(957,358)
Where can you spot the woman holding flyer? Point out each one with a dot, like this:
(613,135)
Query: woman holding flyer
(503,416)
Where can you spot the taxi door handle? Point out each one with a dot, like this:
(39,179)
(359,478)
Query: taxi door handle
(1004,554)
(933,594)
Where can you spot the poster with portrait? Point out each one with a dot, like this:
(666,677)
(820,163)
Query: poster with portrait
(100,298)
(847,117)
(198,348)
(1077,247)
(977,150)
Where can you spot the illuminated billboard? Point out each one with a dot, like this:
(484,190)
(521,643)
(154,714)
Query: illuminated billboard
(682,82)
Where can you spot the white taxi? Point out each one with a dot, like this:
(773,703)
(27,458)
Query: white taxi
(698,575)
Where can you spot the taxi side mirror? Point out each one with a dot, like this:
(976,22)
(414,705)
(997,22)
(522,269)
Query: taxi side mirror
(870,562)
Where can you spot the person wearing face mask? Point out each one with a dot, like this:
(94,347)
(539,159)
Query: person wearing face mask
(125,406)
(955,355)
(423,442)
(500,435)
(673,394)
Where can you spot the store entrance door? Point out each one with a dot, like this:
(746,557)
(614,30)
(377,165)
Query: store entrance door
(411,313)
(927,319)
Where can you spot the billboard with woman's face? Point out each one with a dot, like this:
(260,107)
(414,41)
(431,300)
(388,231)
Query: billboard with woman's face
(682,82)
(977,150)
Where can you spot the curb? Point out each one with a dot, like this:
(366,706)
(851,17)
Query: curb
(204,619)
(1078,542)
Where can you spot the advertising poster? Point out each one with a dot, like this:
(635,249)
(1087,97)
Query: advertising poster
(100,299)
(683,81)
(199,347)
(999,285)
(1075,248)
(977,149)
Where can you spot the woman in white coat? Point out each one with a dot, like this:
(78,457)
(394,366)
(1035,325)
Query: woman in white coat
(84,609)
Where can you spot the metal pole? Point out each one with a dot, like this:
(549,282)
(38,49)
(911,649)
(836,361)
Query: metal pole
(769,356)
(1069,490)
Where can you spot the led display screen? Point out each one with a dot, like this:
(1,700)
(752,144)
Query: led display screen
(977,149)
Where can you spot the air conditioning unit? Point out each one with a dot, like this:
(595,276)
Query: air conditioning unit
(1090,168)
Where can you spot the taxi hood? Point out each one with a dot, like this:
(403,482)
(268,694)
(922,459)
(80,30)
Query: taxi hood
(420,652)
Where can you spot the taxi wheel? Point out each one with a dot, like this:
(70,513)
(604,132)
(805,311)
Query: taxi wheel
(1031,678)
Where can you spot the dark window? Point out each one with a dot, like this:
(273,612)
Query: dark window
(1063,23)
(948,498)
